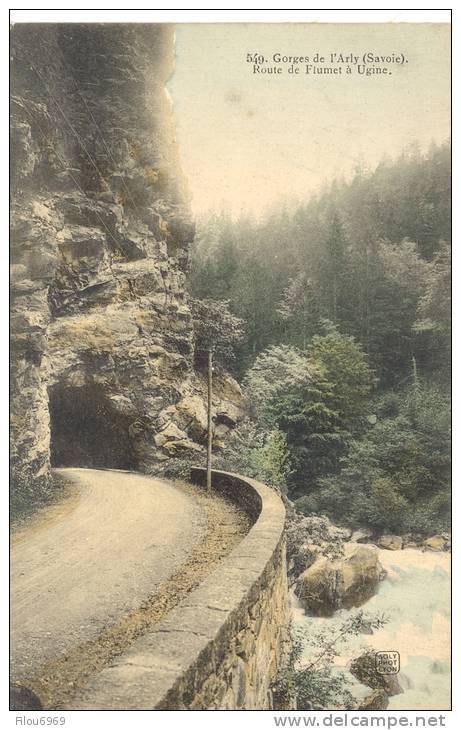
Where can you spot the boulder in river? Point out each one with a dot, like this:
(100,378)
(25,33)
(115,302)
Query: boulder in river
(362,534)
(342,582)
(311,536)
(364,669)
(390,542)
(377,700)
(439,667)
(436,543)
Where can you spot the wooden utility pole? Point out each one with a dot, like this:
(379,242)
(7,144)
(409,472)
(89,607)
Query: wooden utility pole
(210,423)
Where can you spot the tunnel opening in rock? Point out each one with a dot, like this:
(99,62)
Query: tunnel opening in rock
(87,431)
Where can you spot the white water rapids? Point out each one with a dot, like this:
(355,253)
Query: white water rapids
(415,597)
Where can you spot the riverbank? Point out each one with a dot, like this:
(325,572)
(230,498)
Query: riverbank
(415,598)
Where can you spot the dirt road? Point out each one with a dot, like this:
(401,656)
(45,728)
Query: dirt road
(115,539)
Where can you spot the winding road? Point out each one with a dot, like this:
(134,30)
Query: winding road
(106,549)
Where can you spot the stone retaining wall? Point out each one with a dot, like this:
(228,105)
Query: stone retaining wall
(221,647)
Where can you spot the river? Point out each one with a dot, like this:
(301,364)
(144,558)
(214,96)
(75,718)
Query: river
(415,597)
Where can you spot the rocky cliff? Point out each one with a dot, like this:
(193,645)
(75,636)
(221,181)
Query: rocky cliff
(102,336)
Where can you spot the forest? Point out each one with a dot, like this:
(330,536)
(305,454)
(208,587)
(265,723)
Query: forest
(334,315)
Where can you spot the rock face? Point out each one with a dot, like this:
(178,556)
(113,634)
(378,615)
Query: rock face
(102,337)
(328,585)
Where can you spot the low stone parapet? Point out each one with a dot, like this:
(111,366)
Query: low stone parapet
(221,647)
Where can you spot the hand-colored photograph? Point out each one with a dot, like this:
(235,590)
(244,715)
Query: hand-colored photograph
(230,366)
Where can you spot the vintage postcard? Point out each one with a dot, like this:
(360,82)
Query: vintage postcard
(230,367)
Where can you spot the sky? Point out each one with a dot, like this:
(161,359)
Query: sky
(248,140)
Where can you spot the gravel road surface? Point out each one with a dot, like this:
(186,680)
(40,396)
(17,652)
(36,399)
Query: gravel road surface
(98,556)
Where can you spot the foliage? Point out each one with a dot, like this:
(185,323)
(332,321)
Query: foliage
(179,467)
(29,494)
(433,324)
(259,454)
(359,254)
(215,328)
(397,477)
(298,310)
(249,449)
(434,305)
(272,460)
(343,306)
(317,399)
(277,370)
(313,681)
(344,364)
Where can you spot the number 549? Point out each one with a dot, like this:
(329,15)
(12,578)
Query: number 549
(255,58)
